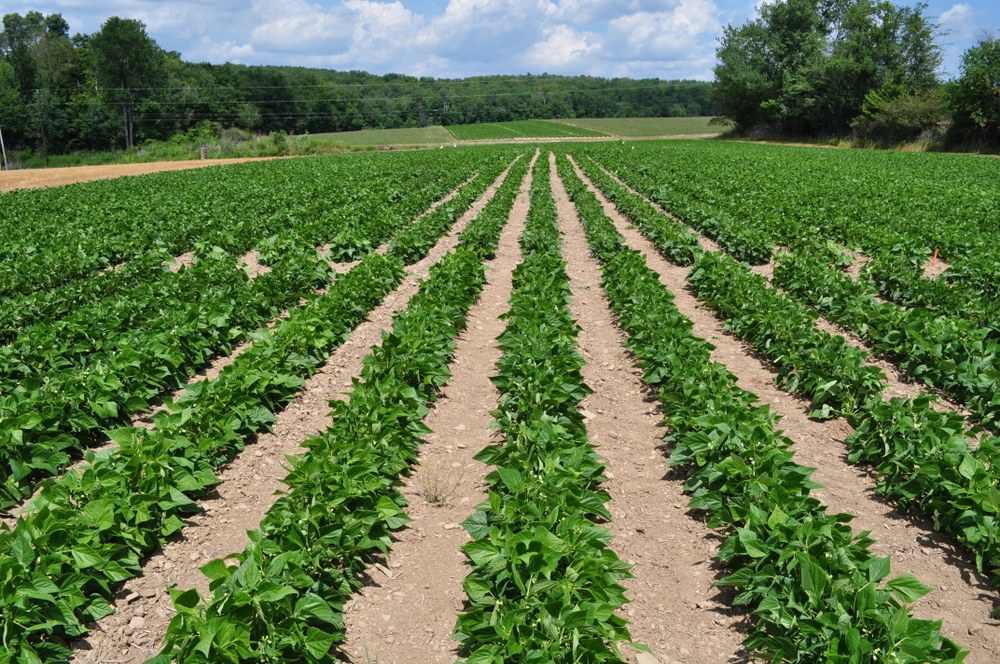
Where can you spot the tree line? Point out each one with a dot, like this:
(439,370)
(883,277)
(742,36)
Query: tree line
(867,68)
(117,87)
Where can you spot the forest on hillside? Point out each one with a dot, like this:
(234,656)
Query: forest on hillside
(117,88)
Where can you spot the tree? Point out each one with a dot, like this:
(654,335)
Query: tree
(45,70)
(129,64)
(975,97)
(807,66)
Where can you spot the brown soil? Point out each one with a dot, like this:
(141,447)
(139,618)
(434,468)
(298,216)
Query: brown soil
(935,267)
(961,596)
(407,611)
(672,607)
(248,486)
(251,263)
(858,262)
(38,178)
(184,260)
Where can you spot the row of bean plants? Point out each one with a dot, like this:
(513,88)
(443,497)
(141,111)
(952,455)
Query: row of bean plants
(886,205)
(901,280)
(68,380)
(815,590)
(64,386)
(951,353)
(921,457)
(544,586)
(56,236)
(282,599)
(88,531)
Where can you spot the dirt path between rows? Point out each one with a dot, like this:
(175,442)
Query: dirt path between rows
(671,607)
(406,613)
(248,485)
(39,178)
(960,596)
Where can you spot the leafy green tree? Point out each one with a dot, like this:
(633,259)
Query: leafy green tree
(975,97)
(45,70)
(807,66)
(129,64)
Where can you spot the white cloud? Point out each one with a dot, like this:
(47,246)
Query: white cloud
(959,20)
(685,31)
(561,46)
(455,38)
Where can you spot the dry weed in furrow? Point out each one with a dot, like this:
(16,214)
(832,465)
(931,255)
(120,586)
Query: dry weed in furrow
(671,607)
(406,613)
(248,485)
(960,596)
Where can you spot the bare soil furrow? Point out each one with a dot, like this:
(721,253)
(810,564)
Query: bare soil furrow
(248,485)
(961,597)
(406,613)
(672,608)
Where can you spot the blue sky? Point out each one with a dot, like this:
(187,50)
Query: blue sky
(456,38)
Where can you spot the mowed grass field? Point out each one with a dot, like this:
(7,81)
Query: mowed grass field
(556,129)
(646,127)
(520,129)
(436,135)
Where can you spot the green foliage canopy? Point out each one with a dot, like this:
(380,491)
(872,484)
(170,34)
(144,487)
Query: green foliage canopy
(975,97)
(806,66)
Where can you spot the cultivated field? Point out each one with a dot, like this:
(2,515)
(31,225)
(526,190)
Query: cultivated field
(647,127)
(519,129)
(435,135)
(703,402)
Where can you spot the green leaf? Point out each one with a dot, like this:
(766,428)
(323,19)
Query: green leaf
(216,569)
(754,545)
(187,599)
(477,525)
(319,643)
(512,479)
(907,588)
(311,605)
(968,467)
(86,557)
(273,592)
(878,568)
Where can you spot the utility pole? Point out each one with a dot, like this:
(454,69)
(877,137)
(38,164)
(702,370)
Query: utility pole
(4,150)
